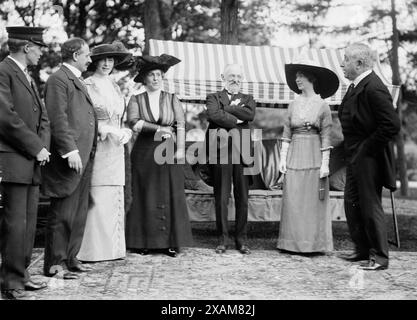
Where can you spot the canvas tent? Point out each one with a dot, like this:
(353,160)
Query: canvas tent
(264,77)
(199,72)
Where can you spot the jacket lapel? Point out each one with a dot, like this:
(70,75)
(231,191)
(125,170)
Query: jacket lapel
(22,78)
(356,91)
(224,98)
(19,74)
(77,83)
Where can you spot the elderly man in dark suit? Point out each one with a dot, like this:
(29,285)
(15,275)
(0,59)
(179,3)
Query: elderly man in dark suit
(24,144)
(369,123)
(67,178)
(227,110)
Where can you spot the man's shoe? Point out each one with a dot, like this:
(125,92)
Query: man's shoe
(13,294)
(79,268)
(61,272)
(221,248)
(33,286)
(372,265)
(244,250)
(70,275)
(354,257)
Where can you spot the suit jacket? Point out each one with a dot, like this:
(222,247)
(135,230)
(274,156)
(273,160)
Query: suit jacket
(222,115)
(73,126)
(24,126)
(374,117)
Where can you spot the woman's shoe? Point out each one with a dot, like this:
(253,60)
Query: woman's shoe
(142,252)
(171,252)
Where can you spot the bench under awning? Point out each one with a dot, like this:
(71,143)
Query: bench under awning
(201,65)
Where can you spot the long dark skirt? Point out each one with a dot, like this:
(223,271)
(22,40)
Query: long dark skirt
(158,216)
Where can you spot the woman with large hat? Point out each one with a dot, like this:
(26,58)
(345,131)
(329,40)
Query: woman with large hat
(306,222)
(158,218)
(104,235)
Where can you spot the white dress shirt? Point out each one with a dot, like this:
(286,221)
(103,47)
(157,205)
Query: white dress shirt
(360,77)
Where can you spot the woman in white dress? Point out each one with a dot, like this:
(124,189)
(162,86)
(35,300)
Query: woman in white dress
(104,235)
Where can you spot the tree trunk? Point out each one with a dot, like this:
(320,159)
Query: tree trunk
(396,80)
(152,22)
(229,21)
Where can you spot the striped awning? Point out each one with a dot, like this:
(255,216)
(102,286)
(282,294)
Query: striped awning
(264,75)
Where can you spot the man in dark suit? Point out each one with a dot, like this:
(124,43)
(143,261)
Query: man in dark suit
(369,123)
(67,178)
(227,110)
(24,144)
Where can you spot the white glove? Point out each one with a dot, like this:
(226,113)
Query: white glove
(124,135)
(105,130)
(283,157)
(324,169)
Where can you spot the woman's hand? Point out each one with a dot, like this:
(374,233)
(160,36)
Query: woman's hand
(282,165)
(324,170)
(124,135)
(166,131)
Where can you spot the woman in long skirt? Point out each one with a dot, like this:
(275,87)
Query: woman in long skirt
(158,217)
(306,222)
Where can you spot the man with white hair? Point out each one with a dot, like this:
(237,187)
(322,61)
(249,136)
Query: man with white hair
(369,123)
(229,110)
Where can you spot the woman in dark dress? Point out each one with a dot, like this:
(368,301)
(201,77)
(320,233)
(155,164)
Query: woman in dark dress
(158,217)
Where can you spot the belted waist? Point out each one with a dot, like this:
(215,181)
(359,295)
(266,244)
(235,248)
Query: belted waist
(305,130)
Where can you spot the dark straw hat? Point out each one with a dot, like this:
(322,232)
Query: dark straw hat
(145,64)
(116,50)
(327,80)
(32,34)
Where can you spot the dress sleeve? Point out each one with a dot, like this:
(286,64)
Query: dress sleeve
(134,120)
(325,127)
(286,135)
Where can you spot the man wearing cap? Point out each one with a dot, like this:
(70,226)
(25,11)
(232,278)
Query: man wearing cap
(226,110)
(67,177)
(369,123)
(24,144)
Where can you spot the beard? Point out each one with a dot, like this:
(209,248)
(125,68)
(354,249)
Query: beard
(233,87)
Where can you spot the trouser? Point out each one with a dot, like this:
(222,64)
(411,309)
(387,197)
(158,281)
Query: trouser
(363,209)
(65,226)
(223,175)
(18,229)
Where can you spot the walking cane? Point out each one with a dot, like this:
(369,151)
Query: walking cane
(394,216)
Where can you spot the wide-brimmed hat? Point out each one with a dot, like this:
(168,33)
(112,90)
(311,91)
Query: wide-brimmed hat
(145,64)
(327,80)
(32,34)
(116,50)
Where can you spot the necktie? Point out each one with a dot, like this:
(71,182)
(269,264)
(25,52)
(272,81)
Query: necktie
(350,89)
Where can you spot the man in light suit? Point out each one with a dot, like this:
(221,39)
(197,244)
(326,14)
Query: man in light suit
(227,110)
(369,123)
(24,144)
(67,177)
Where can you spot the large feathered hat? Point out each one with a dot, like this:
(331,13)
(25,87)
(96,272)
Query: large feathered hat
(145,64)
